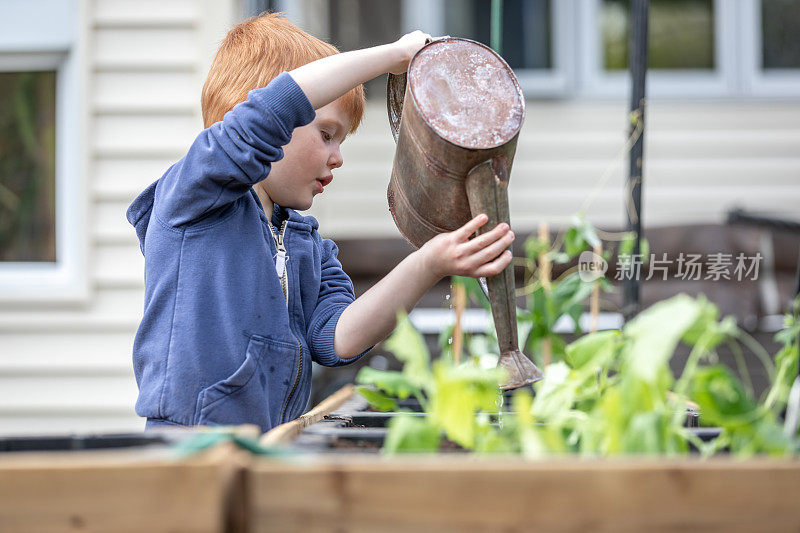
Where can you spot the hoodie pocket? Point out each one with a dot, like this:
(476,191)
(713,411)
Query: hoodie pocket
(249,394)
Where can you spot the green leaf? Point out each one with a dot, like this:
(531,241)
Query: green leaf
(410,434)
(377,399)
(722,399)
(459,393)
(646,433)
(786,370)
(707,327)
(579,237)
(654,334)
(770,438)
(535,246)
(393,383)
(559,258)
(611,422)
(595,349)
(529,441)
(628,241)
(473,288)
(791,329)
(555,394)
(408,346)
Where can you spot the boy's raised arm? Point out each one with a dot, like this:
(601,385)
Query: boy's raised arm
(326,79)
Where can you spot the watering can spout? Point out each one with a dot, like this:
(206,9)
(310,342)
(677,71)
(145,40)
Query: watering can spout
(520,371)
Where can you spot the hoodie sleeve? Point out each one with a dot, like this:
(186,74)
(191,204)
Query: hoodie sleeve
(335,294)
(230,156)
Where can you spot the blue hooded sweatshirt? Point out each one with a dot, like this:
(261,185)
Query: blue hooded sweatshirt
(218,342)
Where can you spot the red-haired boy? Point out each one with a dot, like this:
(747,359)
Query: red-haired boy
(241,292)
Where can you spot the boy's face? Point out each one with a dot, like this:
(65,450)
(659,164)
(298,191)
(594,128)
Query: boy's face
(308,160)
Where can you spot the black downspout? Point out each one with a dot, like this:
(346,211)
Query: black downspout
(637,61)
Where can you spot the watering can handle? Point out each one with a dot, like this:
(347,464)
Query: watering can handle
(396,92)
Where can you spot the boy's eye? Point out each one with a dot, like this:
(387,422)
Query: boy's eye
(327,136)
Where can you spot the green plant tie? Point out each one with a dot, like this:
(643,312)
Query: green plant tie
(206,440)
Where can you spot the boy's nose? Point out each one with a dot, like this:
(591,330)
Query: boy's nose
(335,160)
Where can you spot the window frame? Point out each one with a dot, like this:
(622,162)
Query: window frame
(778,83)
(429,16)
(596,82)
(31,42)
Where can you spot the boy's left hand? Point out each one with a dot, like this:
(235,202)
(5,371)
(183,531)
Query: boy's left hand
(407,46)
(455,254)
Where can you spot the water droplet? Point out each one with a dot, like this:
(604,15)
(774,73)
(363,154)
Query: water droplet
(450,340)
(447,297)
(499,402)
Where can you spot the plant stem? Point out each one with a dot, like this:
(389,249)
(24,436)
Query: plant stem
(759,350)
(741,366)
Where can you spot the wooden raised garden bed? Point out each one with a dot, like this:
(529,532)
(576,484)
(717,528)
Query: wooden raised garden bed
(133,488)
(331,486)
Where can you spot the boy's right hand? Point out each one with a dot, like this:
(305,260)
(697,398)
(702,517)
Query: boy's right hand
(407,46)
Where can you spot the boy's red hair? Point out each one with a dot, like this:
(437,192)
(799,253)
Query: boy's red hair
(253,53)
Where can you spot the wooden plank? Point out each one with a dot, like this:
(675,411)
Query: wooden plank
(120,492)
(285,433)
(446,493)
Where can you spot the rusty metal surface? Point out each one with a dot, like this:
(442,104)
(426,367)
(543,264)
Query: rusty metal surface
(426,191)
(458,107)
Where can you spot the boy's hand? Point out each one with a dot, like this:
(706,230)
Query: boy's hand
(455,253)
(407,46)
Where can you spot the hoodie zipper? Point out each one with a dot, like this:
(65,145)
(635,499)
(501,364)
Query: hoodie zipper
(296,380)
(280,267)
(280,259)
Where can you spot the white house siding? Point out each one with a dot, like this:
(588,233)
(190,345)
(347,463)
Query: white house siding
(68,368)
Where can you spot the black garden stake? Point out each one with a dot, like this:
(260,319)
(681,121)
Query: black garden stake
(637,61)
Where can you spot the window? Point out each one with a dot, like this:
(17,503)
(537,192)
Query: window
(771,48)
(27,166)
(534,38)
(42,196)
(526,35)
(780,30)
(680,34)
(692,51)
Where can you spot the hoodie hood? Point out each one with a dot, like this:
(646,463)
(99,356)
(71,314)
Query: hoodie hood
(138,213)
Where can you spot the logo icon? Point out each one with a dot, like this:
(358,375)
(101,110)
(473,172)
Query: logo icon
(591,266)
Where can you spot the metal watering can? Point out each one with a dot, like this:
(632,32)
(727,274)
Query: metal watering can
(455,116)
